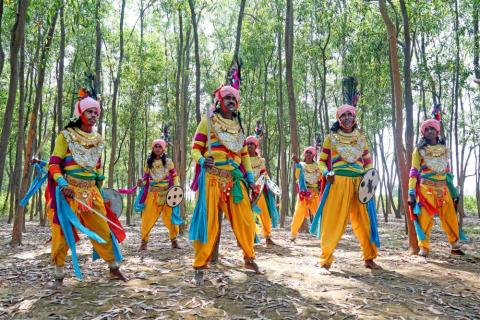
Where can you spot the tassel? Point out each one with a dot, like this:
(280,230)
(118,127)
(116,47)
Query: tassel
(198,227)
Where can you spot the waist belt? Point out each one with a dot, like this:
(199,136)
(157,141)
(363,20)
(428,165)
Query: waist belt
(220,173)
(162,189)
(80,183)
(442,183)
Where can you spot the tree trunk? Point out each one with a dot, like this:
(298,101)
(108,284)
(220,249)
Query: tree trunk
(407,78)
(178,125)
(19,213)
(116,85)
(476,40)
(98,60)
(17,35)
(399,147)
(292,107)
(61,67)
(281,128)
(2,53)
(197,61)
(184,119)
(239,30)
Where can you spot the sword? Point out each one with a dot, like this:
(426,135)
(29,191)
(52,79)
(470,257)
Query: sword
(97,213)
(208,133)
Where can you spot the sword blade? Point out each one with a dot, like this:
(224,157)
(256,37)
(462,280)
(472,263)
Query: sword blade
(97,213)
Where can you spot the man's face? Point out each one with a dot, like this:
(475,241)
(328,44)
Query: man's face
(309,156)
(347,120)
(157,150)
(90,116)
(431,134)
(251,148)
(230,102)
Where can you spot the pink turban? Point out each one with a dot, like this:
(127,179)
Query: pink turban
(311,149)
(161,142)
(225,90)
(430,123)
(343,109)
(252,139)
(85,104)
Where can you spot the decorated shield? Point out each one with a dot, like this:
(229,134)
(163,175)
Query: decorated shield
(174,196)
(115,199)
(368,185)
(273,187)
(259,184)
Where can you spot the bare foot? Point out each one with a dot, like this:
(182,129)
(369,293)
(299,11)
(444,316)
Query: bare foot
(370,264)
(325,270)
(56,285)
(252,265)
(269,242)
(457,252)
(115,273)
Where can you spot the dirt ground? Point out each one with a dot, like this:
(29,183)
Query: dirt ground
(160,287)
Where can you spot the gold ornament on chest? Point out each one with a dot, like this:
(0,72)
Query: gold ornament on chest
(228,132)
(86,148)
(349,146)
(311,172)
(436,157)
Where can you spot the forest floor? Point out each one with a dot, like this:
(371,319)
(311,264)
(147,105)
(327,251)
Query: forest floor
(160,287)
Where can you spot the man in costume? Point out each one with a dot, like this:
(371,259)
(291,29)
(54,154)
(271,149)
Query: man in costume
(343,160)
(308,177)
(160,175)
(268,214)
(431,190)
(223,174)
(74,185)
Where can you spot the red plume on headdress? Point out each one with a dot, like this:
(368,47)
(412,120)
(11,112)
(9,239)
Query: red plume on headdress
(437,112)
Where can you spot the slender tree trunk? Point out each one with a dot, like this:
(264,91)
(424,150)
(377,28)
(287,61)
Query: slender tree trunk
(197,61)
(17,34)
(98,60)
(116,85)
(407,79)
(399,147)
(476,39)
(19,214)
(292,106)
(239,29)
(281,127)
(2,53)
(178,125)
(184,118)
(61,67)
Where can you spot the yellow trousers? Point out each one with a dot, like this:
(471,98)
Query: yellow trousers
(152,212)
(264,216)
(441,199)
(303,210)
(239,214)
(88,219)
(341,205)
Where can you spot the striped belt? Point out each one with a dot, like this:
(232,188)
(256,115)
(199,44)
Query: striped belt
(431,183)
(80,183)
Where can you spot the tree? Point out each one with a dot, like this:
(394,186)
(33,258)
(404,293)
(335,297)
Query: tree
(398,112)
(17,34)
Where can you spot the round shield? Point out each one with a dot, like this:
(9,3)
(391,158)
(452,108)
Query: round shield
(174,196)
(115,199)
(259,184)
(368,185)
(273,187)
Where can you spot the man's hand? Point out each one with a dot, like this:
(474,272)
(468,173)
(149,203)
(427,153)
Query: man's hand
(330,178)
(209,163)
(295,158)
(139,182)
(68,193)
(411,199)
